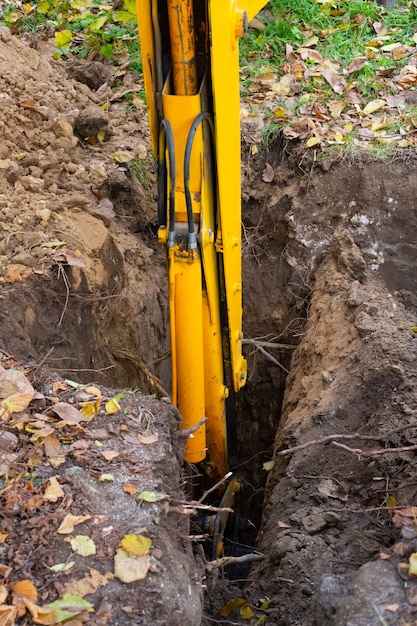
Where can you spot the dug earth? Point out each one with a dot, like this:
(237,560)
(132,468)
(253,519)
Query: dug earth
(329,294)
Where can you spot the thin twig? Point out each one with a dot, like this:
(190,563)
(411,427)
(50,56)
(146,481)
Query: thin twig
(187,432)
(82,369)
(205,507)
(328,438)
(366,454)
(64,276)
(214,487)
(270,344)
(228,560)
(43,360)
(266,354)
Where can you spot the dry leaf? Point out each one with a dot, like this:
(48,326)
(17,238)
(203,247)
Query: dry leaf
(268,174)
(53,491)
(313,141)
(130,489)
(89,584)
(374,105)
(70,521)
(109,455)
(90,409)
(4,592)
(62,567)
(137,545)
(332,489)
(51,445)
(106,478)
(83,545)
(3,537)
(334,81)
(148,439)
(128,568)
(68,413)
(8,615)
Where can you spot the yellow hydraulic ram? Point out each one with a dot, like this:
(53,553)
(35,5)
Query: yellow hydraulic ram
(190,63)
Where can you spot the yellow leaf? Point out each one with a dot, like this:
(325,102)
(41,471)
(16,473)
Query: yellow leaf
(231,606)
(83,545)
(3,537)
(123,157)
(268,465)
(391,501)
(279,112)
(90,409)
(112,407)
(136,544)
(63,38)
(254,149)
(412,562)
(374,105)
(338,136)
(53,491)
(101,135)
(99,23)
(93,391)
(348,128)
(130,6)
(62,567)
(313,141)
(17,402)
(246,612)
(129,568)
(70,521)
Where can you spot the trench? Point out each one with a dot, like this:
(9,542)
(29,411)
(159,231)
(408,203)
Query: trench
(115,328)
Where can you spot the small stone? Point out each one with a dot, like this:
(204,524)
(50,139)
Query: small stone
(91,121)
(31,183)
(104,211)
(43,214)
(62,128)
(24,258)
(98,172)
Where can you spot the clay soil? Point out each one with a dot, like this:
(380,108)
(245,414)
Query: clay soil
(329,295)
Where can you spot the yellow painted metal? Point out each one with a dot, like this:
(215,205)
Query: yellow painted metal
(181,30)
(201,279)
(252,7)
(147,37)
(187,316)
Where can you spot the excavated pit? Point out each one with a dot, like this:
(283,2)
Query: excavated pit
(329,319)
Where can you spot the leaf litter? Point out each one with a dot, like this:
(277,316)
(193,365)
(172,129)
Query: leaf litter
(43,439)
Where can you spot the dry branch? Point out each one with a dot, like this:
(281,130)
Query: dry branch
(368,453)
(335,437)
(187,432)
(151,379)
(229,560)
(266,354)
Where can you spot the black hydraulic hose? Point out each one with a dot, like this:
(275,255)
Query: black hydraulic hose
(166,141)
(192,238)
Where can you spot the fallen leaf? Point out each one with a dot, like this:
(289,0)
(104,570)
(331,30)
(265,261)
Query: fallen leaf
(374,105)
(4,592)
(7,388)
(89,584)
(8,615)
(68,413)
(68,607)
(123,157)
(245,611)
(148,439)
(62,567)
(130,489)
(129,568)
(268,465)
(22,591)
(231,606)
(152,496)
(332,489)
(313,141)
(106,478)
(112,407)
(136,544)
(51,445)
(83,545)
(334,81)
(70,521)
(90,409)
(109,455)
(268,174)
(74,259)
(53,491)
(17,402)
(3,537)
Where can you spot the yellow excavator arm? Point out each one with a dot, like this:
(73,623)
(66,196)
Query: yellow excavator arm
(190,61)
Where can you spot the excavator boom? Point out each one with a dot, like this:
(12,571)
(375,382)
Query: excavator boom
(190,63)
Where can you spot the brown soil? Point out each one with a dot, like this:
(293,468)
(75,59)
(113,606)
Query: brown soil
(329,275)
